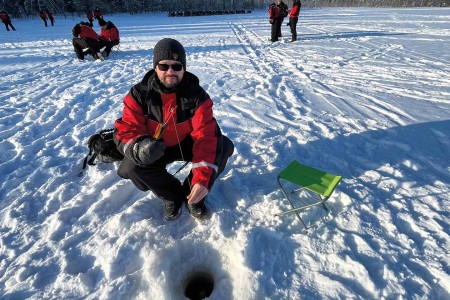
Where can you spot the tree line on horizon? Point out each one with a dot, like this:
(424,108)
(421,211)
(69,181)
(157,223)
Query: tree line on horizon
(25,8)
(377,3)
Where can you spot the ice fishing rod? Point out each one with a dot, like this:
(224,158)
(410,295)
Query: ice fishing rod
(160,131)
(179,145)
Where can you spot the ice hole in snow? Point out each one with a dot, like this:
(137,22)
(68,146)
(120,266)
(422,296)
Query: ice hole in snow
(198,285)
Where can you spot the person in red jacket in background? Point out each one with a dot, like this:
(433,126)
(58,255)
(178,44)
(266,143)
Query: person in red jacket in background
(43,17)
(109,36)
(84,37)
(98,14)
(293,18)
(168,117)
(50,17)
(6,20)
(274,19)
(90,17)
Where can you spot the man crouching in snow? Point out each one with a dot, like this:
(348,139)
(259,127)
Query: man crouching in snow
(168,117)
(84,37)
(109,36)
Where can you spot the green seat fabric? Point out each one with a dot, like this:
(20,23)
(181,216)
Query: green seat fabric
(311,179)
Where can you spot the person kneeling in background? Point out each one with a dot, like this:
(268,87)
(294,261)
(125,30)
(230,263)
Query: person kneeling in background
(109,36)
(84,37)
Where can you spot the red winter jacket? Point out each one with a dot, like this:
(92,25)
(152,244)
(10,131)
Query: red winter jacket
(87,32)
(274,12)
(110,33)
(295,11)
(147,105)
(97,13)
(89,15)
(42,15)
(4,17)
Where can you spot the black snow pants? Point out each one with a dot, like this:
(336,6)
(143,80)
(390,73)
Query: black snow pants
(280,22)
(293,25)
(108,45)
(274,30)
(165,185)
(82,43)
(8,23)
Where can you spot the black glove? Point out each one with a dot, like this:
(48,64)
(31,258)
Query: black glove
(147,150)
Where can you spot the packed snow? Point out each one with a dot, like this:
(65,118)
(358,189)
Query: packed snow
(364,93)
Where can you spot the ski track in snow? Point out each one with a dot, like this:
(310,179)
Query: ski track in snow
(363,93)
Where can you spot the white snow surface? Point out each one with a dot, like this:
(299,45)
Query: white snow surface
(364,93)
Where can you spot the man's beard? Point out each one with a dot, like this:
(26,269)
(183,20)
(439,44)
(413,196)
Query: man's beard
(172,83)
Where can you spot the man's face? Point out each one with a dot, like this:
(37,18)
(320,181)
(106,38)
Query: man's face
(166,73)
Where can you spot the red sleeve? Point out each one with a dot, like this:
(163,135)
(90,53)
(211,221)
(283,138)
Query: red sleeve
(114,34)
(132,124)
(104,34)
(205,143)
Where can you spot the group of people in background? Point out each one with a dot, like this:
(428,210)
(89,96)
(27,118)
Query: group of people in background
(44,16)
(277,12)
(87,42)
(47,16)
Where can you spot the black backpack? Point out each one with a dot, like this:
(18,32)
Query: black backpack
(102,147)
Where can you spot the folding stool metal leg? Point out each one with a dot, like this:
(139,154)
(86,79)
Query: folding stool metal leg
(294,209)
(319,183)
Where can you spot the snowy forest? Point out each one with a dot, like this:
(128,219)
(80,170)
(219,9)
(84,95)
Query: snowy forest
(25,8)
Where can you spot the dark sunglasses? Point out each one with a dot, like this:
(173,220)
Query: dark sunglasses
(166,67)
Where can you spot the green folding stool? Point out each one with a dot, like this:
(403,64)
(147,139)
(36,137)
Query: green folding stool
(319,183)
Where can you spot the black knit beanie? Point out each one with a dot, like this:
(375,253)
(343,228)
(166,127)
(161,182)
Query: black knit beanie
(169,49)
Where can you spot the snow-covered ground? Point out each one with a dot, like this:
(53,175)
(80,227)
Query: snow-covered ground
(364,93)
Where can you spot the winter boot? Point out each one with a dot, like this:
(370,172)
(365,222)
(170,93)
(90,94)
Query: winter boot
(171,210)
(98,55)
(198,210)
